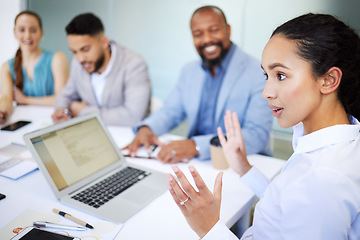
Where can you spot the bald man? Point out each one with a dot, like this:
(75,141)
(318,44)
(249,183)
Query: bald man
(225,78)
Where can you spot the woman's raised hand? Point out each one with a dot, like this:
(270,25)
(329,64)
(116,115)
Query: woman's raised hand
(233,145)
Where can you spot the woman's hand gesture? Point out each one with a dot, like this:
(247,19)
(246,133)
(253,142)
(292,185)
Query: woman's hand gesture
(233,145)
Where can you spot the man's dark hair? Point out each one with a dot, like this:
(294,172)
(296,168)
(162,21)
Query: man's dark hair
(210,8)
(85,24)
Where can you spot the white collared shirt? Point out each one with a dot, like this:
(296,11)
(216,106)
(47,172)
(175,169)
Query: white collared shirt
(317,194)
(98,80)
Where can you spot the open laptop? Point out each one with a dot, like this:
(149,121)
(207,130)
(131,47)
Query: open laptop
(80,154)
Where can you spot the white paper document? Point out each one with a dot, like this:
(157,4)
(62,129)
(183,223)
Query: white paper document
(14,162)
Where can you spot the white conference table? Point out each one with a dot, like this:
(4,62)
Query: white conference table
(161,219)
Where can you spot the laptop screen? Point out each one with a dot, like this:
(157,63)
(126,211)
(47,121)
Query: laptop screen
(72,153)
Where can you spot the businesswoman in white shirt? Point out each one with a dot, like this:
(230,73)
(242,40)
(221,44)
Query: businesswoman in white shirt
(312,67)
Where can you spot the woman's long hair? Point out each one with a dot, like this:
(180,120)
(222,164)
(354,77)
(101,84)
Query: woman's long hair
(19,83)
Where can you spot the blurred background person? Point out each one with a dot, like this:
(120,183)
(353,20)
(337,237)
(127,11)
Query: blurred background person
(35,75)
(105,77)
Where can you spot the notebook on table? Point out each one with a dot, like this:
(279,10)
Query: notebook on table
(85,169)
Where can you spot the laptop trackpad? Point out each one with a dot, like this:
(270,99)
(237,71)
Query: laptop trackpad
(140,194)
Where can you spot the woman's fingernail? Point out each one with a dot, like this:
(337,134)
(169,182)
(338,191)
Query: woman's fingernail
(191,169)
(175,168)
(169,177)
(169,186)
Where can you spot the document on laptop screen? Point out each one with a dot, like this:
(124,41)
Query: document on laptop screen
(75,152)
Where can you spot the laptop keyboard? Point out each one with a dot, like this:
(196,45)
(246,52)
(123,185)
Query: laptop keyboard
(110,187)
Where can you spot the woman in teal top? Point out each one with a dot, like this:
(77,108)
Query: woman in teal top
(35,76)
(43,84)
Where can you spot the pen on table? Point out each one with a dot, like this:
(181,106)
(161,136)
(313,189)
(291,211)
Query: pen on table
(74,219)
(55,225)
(127,155)
(152,149)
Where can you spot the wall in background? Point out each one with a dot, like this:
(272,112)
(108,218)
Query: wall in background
(262,17)
(57,14)
(159,29)
(8,43)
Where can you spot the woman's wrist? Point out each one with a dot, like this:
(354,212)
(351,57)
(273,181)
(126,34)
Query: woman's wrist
(27,100)
(243,168)
(24,100)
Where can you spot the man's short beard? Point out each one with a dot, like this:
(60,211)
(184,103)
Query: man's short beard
(99,62)
(209,63)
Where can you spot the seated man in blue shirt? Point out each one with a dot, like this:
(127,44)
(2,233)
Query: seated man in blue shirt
(226,78)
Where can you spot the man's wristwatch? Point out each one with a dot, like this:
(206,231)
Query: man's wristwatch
(197,149)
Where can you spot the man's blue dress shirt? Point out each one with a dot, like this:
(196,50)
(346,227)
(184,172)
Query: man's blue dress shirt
(209,96)
(240,91)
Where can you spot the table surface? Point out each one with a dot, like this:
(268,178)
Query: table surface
(161,219)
